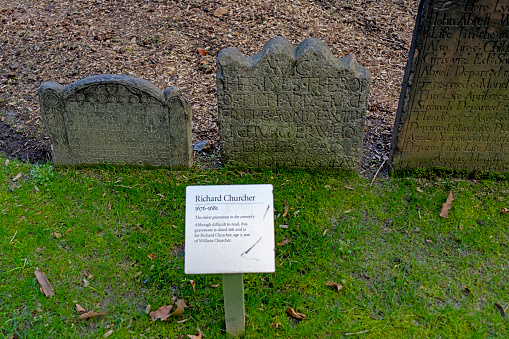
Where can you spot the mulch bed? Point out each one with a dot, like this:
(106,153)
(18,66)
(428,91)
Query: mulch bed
(158,40)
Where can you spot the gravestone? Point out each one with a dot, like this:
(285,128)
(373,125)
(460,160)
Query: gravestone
(294,108)
(116,119)
(454,106)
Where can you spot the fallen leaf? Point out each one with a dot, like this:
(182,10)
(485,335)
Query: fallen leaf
(419,190)
(284,242)
(214,286)
(348,211)
(91,314)
(291,312)
(287,207)
(88,275)
(349,187)
(86,283)
(68,231)
(181,305)
(283,226)
(80,309)
(12,187)
(151,256)
(335,285)
(219,12)
(444,213)
(147,309)
(57,235)
(182,321)
(199,336)
(504,210)
(17,177)
(327,187)
(202,51)
(500,309)
(45,286)
(39,307)
(107,334)
(193,284)
(162,313)
(36,188)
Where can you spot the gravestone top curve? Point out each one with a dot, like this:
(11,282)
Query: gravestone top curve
(118,120)
(291,107)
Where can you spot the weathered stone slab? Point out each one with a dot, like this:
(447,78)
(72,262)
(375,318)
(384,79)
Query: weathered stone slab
(294,108)
(117,119)
(454,106)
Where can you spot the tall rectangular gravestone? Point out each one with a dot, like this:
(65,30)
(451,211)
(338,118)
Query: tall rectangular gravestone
(119,120)
(454,106)
(295,108)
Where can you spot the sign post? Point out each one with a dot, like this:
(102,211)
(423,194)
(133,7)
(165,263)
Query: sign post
(230,231)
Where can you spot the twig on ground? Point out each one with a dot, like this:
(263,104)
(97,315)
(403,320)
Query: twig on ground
(376,174)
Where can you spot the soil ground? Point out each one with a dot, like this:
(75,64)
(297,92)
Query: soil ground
(158,40)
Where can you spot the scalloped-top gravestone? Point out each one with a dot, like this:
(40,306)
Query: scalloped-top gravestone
(291,107)
(454,106)
(117,119)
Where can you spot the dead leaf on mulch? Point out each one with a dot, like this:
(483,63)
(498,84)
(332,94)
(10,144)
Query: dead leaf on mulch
(335,285)
(504,210)
(292,313)
(200,334)
(219,12)
(92,314)
(45,286)
(284,242)
(287,207)
(444,213)
(162,313)
(202,52)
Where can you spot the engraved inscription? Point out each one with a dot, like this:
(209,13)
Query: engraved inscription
(456,110)
(286,111)
(116,120)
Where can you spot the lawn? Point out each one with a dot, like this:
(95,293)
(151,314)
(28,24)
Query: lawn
(112,240)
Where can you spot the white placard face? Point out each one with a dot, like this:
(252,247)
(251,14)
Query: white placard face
(229,229)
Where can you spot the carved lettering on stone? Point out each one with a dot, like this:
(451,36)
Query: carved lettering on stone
(296,108)
(117,119)
(454,107)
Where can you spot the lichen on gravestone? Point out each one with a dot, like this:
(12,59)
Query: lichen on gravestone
(291,107)
(119,120)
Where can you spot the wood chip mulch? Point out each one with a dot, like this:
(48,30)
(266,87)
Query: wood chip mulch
(158,40)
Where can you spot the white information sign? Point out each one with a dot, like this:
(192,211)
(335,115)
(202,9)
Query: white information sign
(229,229)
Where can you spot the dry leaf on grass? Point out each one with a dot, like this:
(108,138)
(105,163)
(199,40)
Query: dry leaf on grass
(107,334)
(16,178)
(57,235)
(349,187)
(162,313)
(444,213)
(80,309)
(45,286)
(292,313)
(86,283)
(151,256)
(193,284)
(335,285)
(88,275)
(91,314)
(284,242)
(504,210)
(200,334)
(181,305)
(287,207)
(500,309)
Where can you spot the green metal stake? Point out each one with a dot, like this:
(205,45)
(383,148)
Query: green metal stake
(234,311)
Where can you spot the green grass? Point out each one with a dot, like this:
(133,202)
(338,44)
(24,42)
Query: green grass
(406,272)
